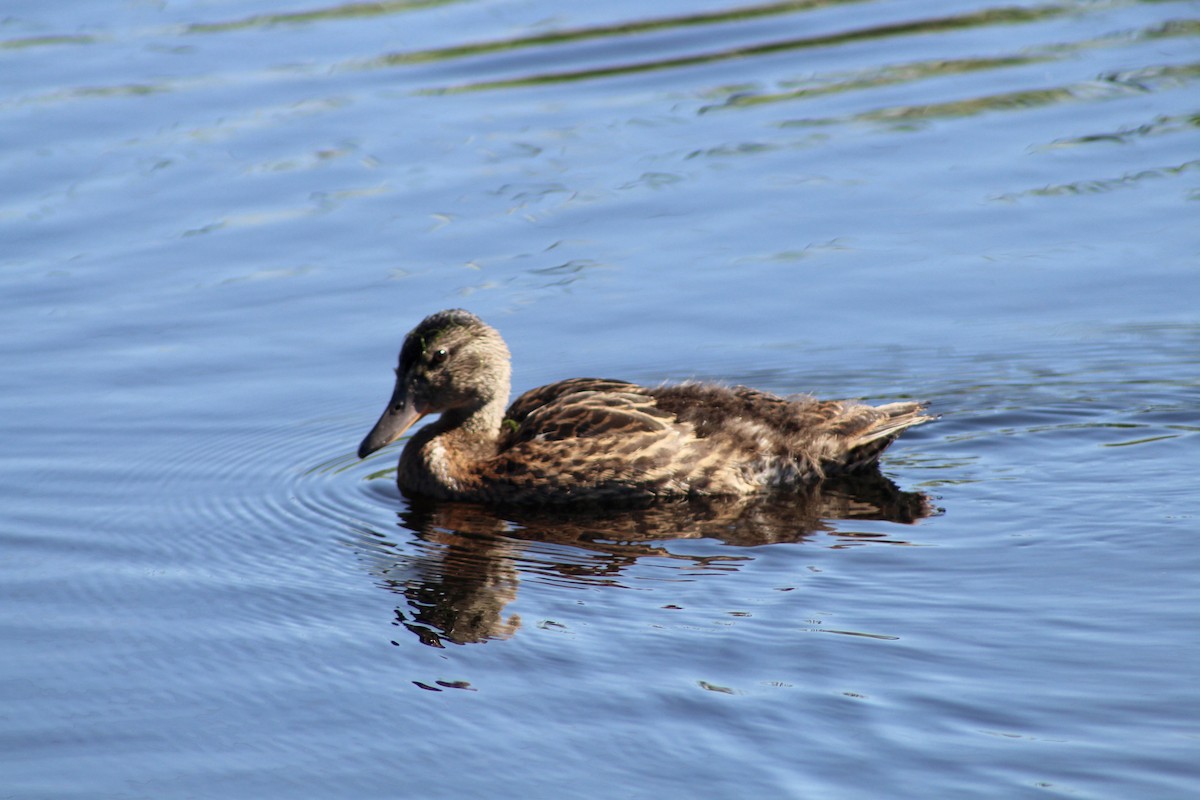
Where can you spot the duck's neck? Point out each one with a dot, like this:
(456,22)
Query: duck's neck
(474,424)
(450,453)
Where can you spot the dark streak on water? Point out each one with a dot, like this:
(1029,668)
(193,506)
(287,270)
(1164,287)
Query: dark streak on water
(219,219)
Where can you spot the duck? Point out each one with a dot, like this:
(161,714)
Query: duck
(600,440)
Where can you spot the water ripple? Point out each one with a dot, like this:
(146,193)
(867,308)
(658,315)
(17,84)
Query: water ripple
(988,17)
(217,483)
(344,11)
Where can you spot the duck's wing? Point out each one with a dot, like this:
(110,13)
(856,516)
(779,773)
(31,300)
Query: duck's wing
(598,440)
(713,409)
(796,419)
(551,392)
(832,435)
(585,408)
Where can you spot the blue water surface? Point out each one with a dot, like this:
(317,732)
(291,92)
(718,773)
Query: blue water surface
(220,218)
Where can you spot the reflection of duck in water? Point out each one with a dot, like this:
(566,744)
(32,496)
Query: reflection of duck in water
(467,560)
(596,439)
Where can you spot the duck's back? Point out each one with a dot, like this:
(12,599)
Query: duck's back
(599,438)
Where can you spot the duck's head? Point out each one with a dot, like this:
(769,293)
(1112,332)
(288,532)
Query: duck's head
(452,361)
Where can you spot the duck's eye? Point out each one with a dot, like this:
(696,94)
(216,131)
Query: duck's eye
(439,357)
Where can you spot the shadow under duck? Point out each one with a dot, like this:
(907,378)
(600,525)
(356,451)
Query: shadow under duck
(593,439)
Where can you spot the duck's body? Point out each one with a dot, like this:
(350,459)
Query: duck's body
(596,439)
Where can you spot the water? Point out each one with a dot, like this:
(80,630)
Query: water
(219,219)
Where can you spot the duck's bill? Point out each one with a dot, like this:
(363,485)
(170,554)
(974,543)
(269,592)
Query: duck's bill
(399,416)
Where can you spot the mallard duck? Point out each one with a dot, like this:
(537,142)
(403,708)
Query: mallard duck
(594,439)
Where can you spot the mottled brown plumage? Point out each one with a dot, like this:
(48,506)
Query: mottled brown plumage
(597,440)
